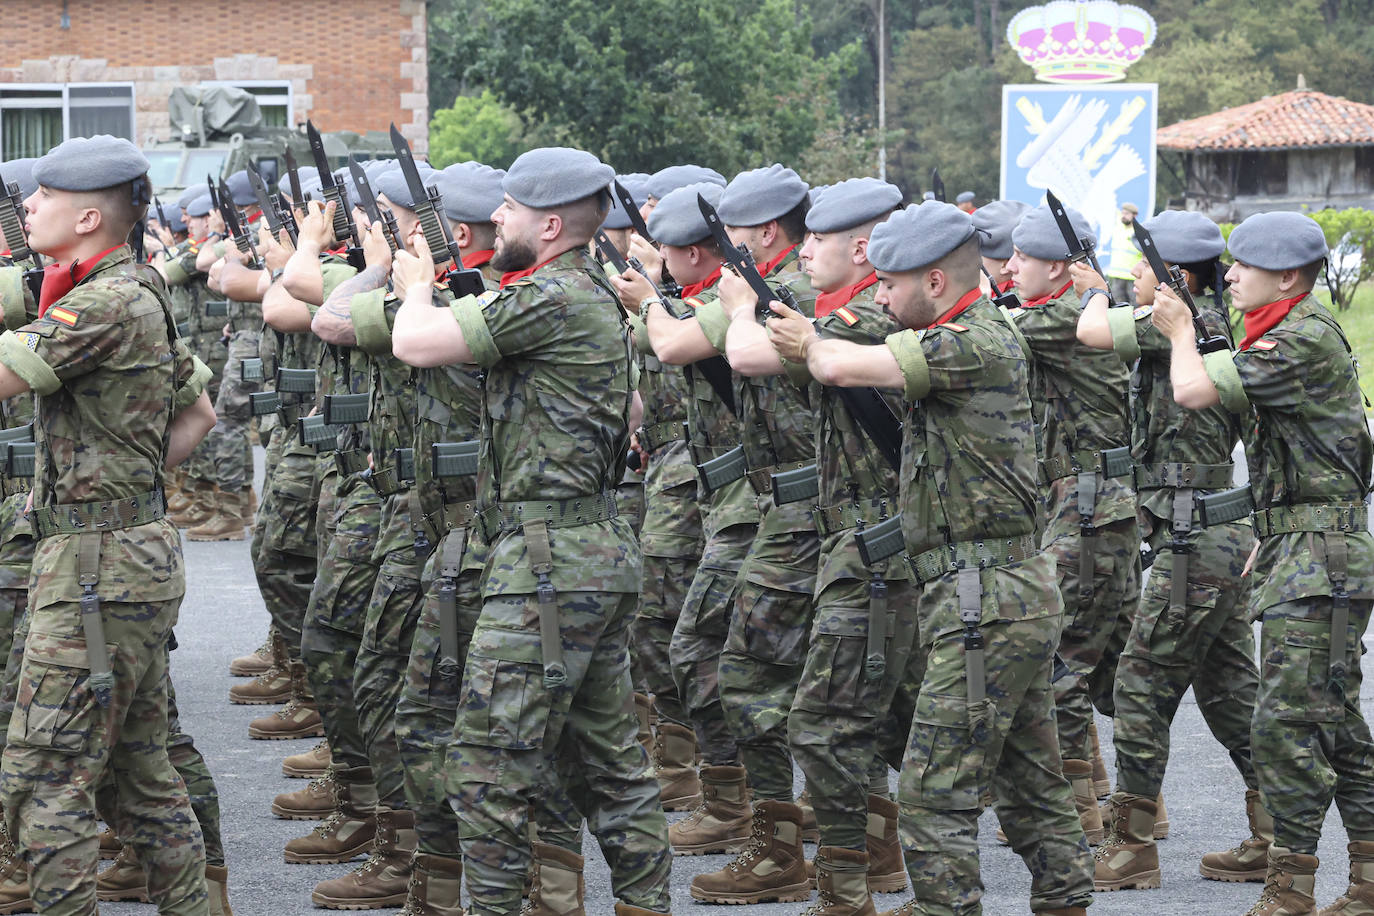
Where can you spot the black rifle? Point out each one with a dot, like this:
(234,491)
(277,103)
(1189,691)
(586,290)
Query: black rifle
(429,206)
(236,230)
(266,203)
(937,187)
(288,218)
(673,288)
(344,230)
(1080,249)
(368,200)
(1173,276)
(12,224)
(214,195)
(161,215)
(1000,299)
(742,262)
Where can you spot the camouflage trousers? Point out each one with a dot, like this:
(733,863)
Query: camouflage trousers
(766,646)
(959,750)
(285,543)
(337,615)
(1092,612)
(384,653)
(671,543)
(699,637)
(514,736)
(428,704)
(62,745)
(227,450)
(1309,740)
(841,711)
(1208,645)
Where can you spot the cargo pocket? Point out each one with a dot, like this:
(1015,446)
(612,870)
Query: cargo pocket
(834,680)
(502,704)
(945,758)
(770,625)
(1296,674)
(391,620)
(55,707)
(707,609)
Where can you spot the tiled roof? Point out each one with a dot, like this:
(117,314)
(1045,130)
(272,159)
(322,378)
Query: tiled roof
(1300,119)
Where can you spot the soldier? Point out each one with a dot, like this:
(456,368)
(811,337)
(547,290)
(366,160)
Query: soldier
(547,672)
(1192,625)
(117,401)
(1080,398)
(995,222)
(985,584)
(1310,478)
(666,180)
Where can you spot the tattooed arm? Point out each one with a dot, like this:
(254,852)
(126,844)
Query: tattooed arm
(333,323)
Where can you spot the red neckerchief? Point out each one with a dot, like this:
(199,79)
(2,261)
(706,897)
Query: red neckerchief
(696,289)
(767,268)
(508,278)
(1041,300)
(1263,319)
(1006,287)
(828,302)
(964,302)
(250,218)
(338,252)
(477,258)
(60,279)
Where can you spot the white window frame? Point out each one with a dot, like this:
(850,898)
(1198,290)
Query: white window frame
(285,85)
(65,90)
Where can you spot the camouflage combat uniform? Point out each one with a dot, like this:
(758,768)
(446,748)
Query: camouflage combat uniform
(227,445)
(1205,640)
(1080,397)
(555,406)
(101,446)
(1310,467)
(969,499)
(203,333)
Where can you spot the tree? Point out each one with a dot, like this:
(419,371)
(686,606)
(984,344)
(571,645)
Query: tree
(1350,236)
(478,128)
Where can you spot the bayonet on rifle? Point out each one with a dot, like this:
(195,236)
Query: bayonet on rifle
(429,205)
(368,200)
(1173,276)
(344,230)
(1080,249)
(12,225)
(236,230)
(627,201)
(270,213)
(293,178)
(937,186)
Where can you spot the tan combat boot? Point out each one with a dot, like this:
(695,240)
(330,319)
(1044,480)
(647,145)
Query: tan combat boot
(771,867)
(644,712)
(174,496)
(1102,783)
(1358,899)
(435,885)
(624,909)
(109,844)
(349,830)
(270,687)
(200,504)
(226,521)
(310,764)
(1161,818)
(14,878)
(1250,860)
(313,803)
(1079,773)
(1289,886)
(1127,857)
(255,662)
(558,889)
(248,504)
(674,758)
(123,880)
(811,828)
(299,718)
(842,880)
(217,883)
(384,879)
(886,869)
(721,823)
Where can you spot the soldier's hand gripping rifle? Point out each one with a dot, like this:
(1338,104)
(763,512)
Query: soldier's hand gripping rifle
(270,211)
(344,230)
(429,205)
(1080,249)
(1172,276)
(12,224)
(242,240)
(368,200)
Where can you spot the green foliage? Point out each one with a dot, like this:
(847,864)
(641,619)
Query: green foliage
(478,128)
(1350,236)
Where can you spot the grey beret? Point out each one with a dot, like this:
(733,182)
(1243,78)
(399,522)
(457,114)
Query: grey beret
(471,190)
(994,222)
(665,181)
(306,173)
(677,219)
(965,197)
(174,221)
(753,198)
(1038,234)
(919,235)
(1185,236)
(392,183)
(90,164)
(927,195)
(311,186)
(556,175)
(241,189)
(851,203)
(637,183)
(1281,240)
(814,194)
(200,206)
(20,172)
(190,194)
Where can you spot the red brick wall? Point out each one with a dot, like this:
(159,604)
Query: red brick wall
(352,64)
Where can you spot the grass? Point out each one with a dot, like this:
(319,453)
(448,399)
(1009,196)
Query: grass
(1358,323)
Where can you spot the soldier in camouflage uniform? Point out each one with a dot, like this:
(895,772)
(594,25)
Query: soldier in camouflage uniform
(556,412)
(103,362)
(968,436)
(1310,465)
(1080,399)
(1192,626)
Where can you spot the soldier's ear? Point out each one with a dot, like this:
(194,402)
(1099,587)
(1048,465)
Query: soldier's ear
(859,250)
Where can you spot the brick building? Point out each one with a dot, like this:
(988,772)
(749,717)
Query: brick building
(81,67)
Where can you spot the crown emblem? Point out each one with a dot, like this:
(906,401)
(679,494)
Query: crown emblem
(1081,41)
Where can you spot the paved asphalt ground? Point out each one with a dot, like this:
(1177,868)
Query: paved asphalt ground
(223,616)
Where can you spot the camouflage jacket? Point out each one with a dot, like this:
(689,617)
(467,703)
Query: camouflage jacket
(341,370)
(1312,445)
(189,287)
(560,381)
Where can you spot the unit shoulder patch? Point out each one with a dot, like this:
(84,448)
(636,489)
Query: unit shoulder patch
(1142,312)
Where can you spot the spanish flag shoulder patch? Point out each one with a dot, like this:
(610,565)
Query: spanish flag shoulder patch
(693,301)
(1265,344)
(844,314)
(62,315)
(954,327)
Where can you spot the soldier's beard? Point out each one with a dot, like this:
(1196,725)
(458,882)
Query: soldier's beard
(514,255)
